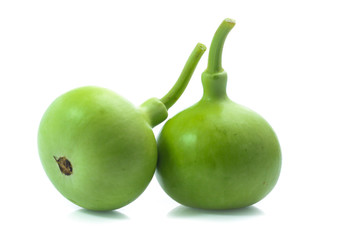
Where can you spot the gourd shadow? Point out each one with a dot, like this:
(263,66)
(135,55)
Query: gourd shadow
(95,216)
(231,214)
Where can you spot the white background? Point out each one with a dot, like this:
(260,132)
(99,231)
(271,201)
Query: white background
(284,60)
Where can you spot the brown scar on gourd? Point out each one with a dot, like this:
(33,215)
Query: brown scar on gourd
(64,165)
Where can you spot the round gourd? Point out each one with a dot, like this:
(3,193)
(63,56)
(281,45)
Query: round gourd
(217,154)
(98,149)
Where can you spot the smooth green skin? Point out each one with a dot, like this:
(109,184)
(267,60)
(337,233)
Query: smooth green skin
(109,142)
(217,154)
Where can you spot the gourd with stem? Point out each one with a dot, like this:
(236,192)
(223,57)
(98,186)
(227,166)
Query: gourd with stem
(98,149)
(217,154)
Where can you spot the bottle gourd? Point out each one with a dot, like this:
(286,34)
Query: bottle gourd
(98,149)
(217,154)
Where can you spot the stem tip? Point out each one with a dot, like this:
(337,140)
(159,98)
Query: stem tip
(230,21)
(202,47)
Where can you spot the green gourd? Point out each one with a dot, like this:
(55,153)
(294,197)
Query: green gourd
(217,154)
(98,149)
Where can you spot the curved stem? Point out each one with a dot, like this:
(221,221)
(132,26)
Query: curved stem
(173,95)
(216,47)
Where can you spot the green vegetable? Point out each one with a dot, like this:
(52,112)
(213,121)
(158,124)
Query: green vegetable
(98,149)
(217,154)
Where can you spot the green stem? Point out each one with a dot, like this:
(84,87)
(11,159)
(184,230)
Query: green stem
(214,78)
(173,95)
(155,110)
(216,47)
